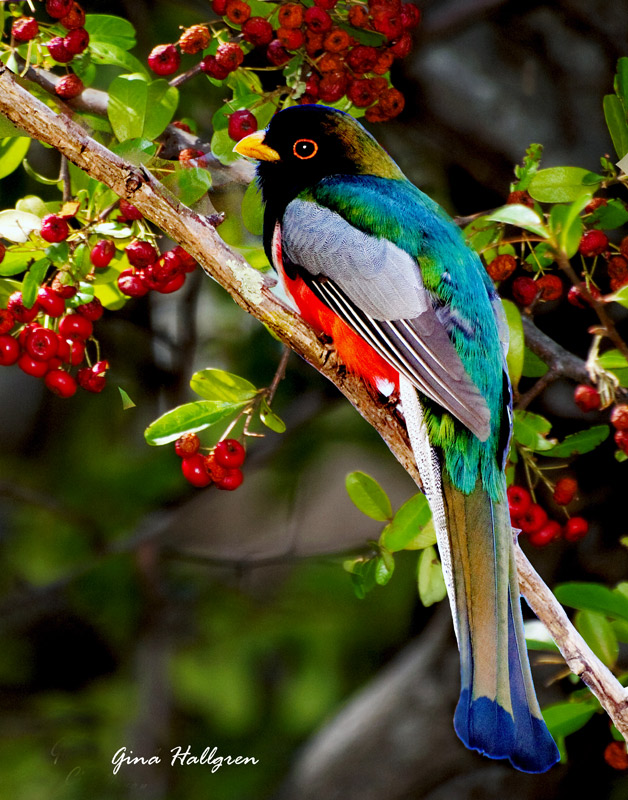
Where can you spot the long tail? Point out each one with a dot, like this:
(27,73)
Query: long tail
(498,713)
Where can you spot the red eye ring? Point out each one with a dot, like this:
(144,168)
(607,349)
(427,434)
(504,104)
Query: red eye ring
(305,148)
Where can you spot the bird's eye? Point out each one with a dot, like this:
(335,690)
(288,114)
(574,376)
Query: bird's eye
(305,148)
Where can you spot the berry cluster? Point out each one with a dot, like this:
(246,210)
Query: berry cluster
(534,520)
(547,286)
(221,466)
(62,49)
(347,49)
(587,398)
(150,270)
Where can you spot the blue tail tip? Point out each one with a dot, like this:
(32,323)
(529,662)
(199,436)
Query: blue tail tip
(484,725)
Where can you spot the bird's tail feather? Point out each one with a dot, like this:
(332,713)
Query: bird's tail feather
(498,713)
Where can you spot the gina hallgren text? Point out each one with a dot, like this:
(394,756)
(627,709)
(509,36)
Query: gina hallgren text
(180,756)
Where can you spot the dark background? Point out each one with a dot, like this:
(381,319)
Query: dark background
(133,612)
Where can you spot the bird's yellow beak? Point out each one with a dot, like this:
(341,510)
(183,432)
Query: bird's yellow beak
(252,146)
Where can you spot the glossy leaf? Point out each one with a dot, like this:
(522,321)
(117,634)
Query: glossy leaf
(189,184)
(366,493)
(406,530)
(253,210)
(126,108)
(216,384)
(615,116)
(384,568)
(621,296)
(567,225)
(431,583)
(522,217)
(270,419)
(531,431)
(161,104)
(135,151)
(14,263)
(561,184)
(615,362)
(127,403)
(33,280)
(516,342)
(613,215)
(106,53)
(565,718)
(16,226)
(8,129)
(526,171)
(111,30)
(533,366)
(580,442)
(188,418)
(12,151)
(598,633)
(37,177)
(593,597)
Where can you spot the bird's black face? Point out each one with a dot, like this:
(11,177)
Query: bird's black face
(304,144)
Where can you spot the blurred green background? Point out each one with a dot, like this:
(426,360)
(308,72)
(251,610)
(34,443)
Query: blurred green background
(139,613)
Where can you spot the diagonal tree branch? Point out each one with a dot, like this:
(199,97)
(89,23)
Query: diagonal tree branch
(252,291)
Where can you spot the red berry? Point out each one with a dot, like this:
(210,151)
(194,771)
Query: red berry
(69,86)
(402,47)
(362,59)
(229,55)
(229,453)
(7,320)
(60,382)
(50,302)
(32,366)
(102,253)
(520,198)
(241,123)
(550,286)
(63,285)
(128,211)
(9,350)
(532,519)
(219,7)
(258,31)
(76,41)
(317,20)
(277,54)
(195,470)
(576,528)
(358,16)
(132,284)
(362,92)
(92,310)
(617,267)
(616,756)
(524,290)
(290,15)
(619,417)
(141,254)
(550,531)
(215,470)
(392,102)
(194,39)
(565,491)
(237,11)
(333,86)
(54,229)
(211,67)
(187,445)
(594,204)
(390,24)
(231,480)
(93,380)
(290,38)
(26,330)
(621,440)
(593,243)
(173,285)
(586,398)
(164,59)
(75,352)
(59,8)
(74,19)
(24,29)
(16,306)
(3,250)
(577,298)
(519,501)
(42,344)
(75,326)
(410,15)
(58,50)
(188,262)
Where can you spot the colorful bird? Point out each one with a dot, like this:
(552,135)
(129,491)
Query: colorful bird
(379,267)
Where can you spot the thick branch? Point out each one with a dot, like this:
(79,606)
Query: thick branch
(252,291)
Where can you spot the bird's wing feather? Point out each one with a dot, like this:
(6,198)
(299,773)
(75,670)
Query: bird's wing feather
(376,288)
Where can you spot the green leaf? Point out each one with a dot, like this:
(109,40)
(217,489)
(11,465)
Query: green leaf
(33,280)
(105,53)
(514,358)
(161,105)
(188,184)
(593,597)
(7,128)
(530,166)
(37,177)
(561,184)
(598,633)
(253,210)
(126,109)
(16,226)
(222,146)
(621,296)
(12,151)
(406,528)
(33,204)
(615,362)
(127,403)
(431,583)
(384,568)
(530,430)
(522,217)
(620,629)
(580,442)
(613,215)
(116,230)
(215,384)
(366,493)
(110,30)
(14,263)
(533,366)
(135,151)
(188,418)
(270,419)
(7,287)
(615,116)
(565,718)
(567,226)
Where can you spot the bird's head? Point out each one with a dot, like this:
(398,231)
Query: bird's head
(304,144)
